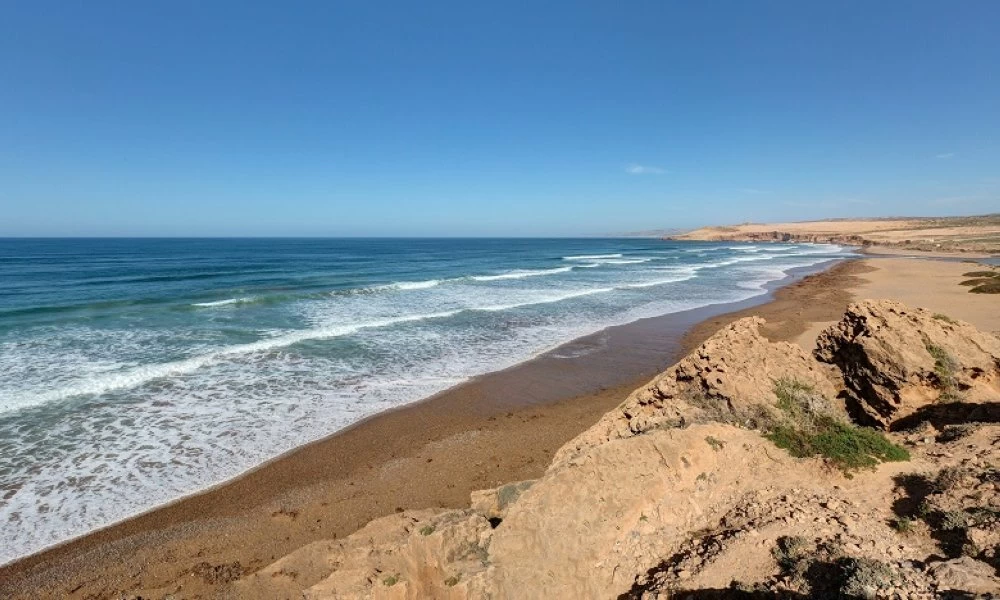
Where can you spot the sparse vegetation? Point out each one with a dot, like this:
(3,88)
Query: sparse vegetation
(944,369)
(391,580)
(848,447)
(949,478)
(452,581)
(902,525)
(790,550)
(862,575)
(812,431)
(715,443)
(954,520)
(945,318)
(427,530)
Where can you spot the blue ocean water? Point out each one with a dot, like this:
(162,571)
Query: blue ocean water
(133,372)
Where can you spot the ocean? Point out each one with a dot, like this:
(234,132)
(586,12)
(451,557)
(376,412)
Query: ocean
(137,371)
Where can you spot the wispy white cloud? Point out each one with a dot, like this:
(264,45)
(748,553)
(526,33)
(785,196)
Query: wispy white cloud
(945,155)
(634,169)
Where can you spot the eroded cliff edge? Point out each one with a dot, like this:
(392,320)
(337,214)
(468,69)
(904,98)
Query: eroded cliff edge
(690,487)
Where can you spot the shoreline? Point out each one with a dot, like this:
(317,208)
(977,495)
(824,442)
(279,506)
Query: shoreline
(552,397)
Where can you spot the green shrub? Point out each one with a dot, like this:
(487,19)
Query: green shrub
(954,520)
(902,524)
(848,447)
(789,550)
(391,580)
(427,530)
(861,576)
(452,581)
(944,367)
(811,430)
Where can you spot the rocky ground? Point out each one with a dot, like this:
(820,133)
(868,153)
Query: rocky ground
(867,469)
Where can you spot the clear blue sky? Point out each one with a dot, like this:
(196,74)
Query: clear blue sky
(491,118)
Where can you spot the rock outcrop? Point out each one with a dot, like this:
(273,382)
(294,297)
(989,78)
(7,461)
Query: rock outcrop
(674,491)
(897,361)
(729,378)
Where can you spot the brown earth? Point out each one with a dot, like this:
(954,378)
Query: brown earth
(977,234)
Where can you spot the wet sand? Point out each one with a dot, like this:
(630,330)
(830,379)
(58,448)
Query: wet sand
(494,429)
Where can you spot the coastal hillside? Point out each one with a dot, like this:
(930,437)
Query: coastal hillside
(979,234)
(867,468)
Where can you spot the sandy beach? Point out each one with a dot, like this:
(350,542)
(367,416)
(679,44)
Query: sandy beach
(498,428)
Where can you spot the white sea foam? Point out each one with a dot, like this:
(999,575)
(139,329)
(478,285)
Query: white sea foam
(412,285)
(623,261)
(592,256)
(140,375)
(546,300)
(227,302)
(522,273)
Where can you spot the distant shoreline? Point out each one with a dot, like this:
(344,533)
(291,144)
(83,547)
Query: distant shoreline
(973,237)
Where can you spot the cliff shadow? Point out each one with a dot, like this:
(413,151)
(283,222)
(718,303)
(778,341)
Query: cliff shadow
(916,488)
(950,413)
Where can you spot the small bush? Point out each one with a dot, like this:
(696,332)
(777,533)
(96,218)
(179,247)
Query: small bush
(944,318)
(812,431)
(949,478)
(861,576)
(800,402)
(427,530)
(715,443)
(902,525)
(944,368)
(848,447)
(790,549)
(452,581)
(391,580)
(954,520)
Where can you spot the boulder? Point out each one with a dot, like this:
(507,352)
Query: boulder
(965,576)
(896,361)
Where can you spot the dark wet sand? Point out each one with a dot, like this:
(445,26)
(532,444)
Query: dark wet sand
(497,428)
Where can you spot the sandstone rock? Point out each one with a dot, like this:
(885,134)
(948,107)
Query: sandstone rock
(418,554)
(896,361)
(965,575)
(731,378)
(494,503)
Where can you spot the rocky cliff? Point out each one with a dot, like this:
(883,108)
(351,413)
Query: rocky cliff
(735,473)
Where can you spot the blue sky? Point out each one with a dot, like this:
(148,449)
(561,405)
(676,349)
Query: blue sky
(474,118)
